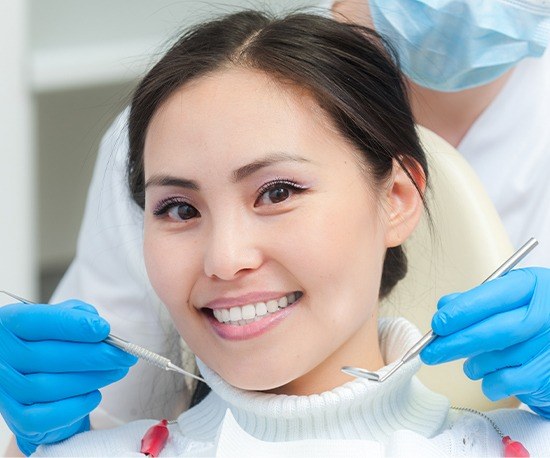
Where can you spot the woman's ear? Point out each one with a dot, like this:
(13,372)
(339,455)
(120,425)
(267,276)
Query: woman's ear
(404,201)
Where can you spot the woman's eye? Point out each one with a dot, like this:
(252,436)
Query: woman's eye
(274,193)
(176,210)
(182,212)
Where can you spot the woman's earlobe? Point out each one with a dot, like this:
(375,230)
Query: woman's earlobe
(405,202)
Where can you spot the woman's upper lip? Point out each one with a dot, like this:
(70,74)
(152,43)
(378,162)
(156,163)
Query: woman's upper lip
(244,299)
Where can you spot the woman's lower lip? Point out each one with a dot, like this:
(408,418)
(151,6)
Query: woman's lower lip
(248,331)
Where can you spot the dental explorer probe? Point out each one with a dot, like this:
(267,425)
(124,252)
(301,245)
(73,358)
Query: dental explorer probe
(140,352)
(430,335)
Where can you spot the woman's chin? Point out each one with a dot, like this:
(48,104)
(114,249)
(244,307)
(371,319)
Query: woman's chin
(256,385)
(259,380)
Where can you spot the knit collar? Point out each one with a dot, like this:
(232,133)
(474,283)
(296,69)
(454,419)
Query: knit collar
(359,409)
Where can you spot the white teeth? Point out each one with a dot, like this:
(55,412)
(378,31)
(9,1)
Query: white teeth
(225,316)
(248,312)
(252,312)
(272,306)
(261,309)
(235,314)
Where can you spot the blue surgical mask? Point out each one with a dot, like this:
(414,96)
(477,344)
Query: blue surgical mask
(450,45)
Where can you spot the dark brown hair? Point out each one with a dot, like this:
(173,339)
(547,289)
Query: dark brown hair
(349,70)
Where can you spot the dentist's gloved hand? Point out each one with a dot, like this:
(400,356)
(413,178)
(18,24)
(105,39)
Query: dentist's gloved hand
(503,328)
(52,362)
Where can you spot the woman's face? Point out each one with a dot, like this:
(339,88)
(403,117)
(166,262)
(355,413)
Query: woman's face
(263,236)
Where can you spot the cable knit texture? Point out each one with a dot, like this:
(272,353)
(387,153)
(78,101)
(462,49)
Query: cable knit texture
(399,417)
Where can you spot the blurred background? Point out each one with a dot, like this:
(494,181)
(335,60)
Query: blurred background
(67,69)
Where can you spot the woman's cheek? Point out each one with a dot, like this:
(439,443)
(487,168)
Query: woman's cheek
(173,268)
(155,265)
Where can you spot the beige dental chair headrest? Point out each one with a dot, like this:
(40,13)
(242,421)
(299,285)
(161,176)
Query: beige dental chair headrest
(468,242)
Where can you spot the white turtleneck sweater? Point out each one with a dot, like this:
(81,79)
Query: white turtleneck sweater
(399,417)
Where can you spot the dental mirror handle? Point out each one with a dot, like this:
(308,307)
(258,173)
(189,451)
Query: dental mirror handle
(508,265)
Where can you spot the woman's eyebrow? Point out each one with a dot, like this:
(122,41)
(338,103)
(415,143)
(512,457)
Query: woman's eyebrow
(237,175)
(270,159)
(168,180)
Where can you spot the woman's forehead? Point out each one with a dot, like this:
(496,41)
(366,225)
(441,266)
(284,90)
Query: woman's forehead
(239,110)
(237,90)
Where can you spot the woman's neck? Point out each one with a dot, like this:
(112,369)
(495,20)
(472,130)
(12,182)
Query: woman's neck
(451,114)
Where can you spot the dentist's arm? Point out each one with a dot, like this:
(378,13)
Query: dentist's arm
(503,328)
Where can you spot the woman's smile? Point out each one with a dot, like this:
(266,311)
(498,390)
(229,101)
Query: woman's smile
(242,322)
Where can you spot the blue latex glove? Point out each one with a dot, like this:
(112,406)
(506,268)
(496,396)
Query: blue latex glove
(52,362)
(503,328)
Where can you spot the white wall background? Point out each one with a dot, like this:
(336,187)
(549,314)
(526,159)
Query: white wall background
(67,67)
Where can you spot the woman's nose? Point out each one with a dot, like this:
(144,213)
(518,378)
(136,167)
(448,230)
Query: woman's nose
(231,250)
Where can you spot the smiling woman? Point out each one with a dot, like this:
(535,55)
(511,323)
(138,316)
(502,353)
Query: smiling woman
(259,229)
(279,171)
(272,201)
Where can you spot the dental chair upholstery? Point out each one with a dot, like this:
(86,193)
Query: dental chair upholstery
(464,244)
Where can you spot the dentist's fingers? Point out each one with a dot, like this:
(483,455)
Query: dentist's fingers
(446,299)
(28,444)
(484,364)
(69,321)
(55,356)
(513,290)
(40,418)
(496,333)
(529,382)
(40,388)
